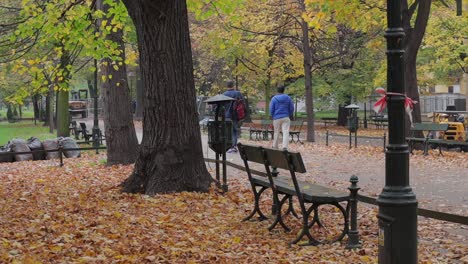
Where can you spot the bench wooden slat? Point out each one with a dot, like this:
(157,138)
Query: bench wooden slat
(311,192)
(254,154)
(429,127)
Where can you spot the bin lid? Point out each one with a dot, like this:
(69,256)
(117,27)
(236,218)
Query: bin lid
(219,99)
(352,106)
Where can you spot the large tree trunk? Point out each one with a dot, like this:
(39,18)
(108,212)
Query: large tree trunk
(309,95)
(51,109)
(413,40)
(170,157)
(47,109)
(121,139)
(63,116)
(35,99)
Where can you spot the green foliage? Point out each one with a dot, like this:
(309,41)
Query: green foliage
(65,37)
(441,58)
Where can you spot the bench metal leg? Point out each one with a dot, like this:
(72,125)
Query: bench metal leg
(291,208)
(305,229)
(316,220)
(256,204)
(279,216)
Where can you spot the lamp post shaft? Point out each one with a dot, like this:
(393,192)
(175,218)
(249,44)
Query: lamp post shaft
(397,202)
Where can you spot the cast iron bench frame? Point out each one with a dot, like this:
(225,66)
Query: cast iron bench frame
(306,193)
(426,140)
(329,120)
(295,130)
(262,132)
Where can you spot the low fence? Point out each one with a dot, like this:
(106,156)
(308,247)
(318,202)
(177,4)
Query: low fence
(453,218)
(350,136)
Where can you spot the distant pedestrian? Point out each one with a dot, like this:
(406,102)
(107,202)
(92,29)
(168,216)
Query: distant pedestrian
(232,92)
(281,109)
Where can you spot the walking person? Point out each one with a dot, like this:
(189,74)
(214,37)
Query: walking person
(281,108)
(232,92)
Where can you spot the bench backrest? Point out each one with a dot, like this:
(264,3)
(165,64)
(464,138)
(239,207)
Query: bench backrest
(266,122)
(429,127)
(274,157)
(296,124)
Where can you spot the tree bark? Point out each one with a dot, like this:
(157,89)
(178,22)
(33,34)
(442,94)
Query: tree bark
(47,109)
(309,95)
(51,109)
(121,139)
(170,157)
(413,40)
(35,99)
(63,116)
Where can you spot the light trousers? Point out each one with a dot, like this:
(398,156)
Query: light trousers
(284,124)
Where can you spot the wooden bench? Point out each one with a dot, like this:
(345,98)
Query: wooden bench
(379,122)
(295,130)
(87,135)
(329,120)
(451,143)
(262,132)
(429,128)
(310,196)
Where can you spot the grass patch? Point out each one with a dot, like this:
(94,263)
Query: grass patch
(26,113)
(24,129)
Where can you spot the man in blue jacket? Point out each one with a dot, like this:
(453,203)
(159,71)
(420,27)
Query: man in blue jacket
(232,92)
(281,108)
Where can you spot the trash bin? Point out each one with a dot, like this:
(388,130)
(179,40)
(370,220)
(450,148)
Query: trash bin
(353,123)
(216,135)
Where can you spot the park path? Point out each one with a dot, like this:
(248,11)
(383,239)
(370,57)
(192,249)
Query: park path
(439,182)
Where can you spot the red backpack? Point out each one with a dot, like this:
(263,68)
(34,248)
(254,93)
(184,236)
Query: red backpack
(239,110)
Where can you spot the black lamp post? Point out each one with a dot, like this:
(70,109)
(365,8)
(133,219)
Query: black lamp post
(397,202)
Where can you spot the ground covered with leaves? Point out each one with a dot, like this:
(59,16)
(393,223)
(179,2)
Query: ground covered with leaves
(77,214)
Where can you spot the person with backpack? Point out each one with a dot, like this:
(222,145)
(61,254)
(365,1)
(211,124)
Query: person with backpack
(281,109)
(235,112)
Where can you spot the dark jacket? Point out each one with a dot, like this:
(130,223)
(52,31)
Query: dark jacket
(234,94)
(281,106)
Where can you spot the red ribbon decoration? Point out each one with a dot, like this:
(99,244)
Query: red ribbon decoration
(380,105)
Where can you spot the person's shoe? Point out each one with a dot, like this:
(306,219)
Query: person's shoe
(232,150)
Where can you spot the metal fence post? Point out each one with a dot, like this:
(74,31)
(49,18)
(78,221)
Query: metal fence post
(353,233)
(384,140)
(326,139)
(60,148)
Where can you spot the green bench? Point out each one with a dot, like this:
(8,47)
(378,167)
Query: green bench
(262,132)
(295,130)
(427,140)
(329,120)
(310,196)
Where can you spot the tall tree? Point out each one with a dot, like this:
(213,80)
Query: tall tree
(415,18)
(121,140)
(170,157)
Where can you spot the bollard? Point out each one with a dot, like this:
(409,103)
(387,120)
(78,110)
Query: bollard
(355,139)
(353,233)
(326,139)
(60,149)
(384,141)
(350,139)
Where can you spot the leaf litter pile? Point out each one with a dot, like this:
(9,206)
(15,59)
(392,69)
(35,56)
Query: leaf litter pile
(77,214)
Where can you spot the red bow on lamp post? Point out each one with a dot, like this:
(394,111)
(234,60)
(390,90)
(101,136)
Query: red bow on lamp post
(380,105)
